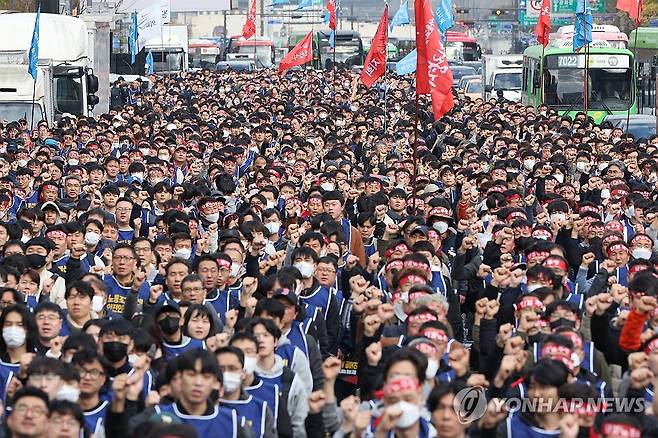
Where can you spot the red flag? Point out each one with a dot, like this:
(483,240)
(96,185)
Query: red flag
(433,74)
(331,6)
(249,28)
(632,7)
(299,55)
(375,65)
(543,28)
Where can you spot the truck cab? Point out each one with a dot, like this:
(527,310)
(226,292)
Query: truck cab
(65,83)
(502,76)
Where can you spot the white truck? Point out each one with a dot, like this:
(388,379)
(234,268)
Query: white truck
(502,74)
(65,81)
(170,52)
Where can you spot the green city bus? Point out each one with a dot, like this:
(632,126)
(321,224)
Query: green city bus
(611,80)
(643,41)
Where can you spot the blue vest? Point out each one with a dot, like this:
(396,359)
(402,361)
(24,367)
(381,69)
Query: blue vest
(95,419)
(287,353)
(297,337)
(269,392)
(439,283)
(225,301)
(371,247)
(171,351)
(116,294)
(588,350)
(7,371)
(126,236)
(222,422)
(320,297)
(517,428)
(253,409)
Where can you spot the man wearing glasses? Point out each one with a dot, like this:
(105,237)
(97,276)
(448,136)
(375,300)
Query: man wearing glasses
(125,278)
(29,413)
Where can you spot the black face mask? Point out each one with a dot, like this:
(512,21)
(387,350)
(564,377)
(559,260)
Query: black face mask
(523,243)
(36,261)
(115,351)
(169,325)
(562,322)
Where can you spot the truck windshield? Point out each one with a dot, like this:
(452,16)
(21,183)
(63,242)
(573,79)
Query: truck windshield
(21,110)
(69,96)
(167,61)
(507,81)
(608,89)
(263,54)
(347,52)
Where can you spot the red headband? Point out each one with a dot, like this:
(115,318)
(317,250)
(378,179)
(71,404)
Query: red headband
(642,238)
(394,264)
(440,211)
(555,263)
(538,255)
(417,265)
(223,263)
(516,214)
(619,430)
(542,233)
(574,338)
(56,233)
(423,317)
(401,247)
(588,208)
(558,352)
(414,296)
(530,301)
(412,279)
(400,385)
(651,346)
(513,196)
(619,247)
(637,268)
(435,335)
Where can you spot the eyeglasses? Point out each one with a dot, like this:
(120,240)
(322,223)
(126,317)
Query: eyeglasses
(145,249)
(50,377)
(124,210)
(124,258)
(44,317)
(193,289)
(24,409)
(94,374)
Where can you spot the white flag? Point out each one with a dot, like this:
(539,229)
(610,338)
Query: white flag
(149,24)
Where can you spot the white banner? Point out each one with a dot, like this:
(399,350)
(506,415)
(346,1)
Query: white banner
(149,24)
(165,6)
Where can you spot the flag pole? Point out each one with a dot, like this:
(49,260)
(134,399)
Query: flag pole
(415,153)
(586,78)
(637,25)
(541,74)
(34,85)
(385,70)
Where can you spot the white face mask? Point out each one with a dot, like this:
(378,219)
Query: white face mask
(432,368)
(410,414)
(14,336)
(441,227)
(73,162)
(214,217)
(582,166)
(145,152)
(250,364)
(232,381)
(68,393)
(529,164)
(603,166)
(183,253)
(558,217)
(327,186)
(138,175)
(273,227)
(235,269)
(559,177)
(22,163)
(641,253)
(97,304)
(605,193)
(305,268)
(270,204)
(92,238)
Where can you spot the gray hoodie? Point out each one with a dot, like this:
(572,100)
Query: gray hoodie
(297,397)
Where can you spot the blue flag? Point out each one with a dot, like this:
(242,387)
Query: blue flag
(325,17)
(582,32)
(401,17)
(406,65)
(34,47)
(132,38)
(304,4)
(332,39)
(443,15)
(149,63)
(280,2)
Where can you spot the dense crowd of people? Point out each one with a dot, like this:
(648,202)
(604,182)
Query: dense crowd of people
(246,254)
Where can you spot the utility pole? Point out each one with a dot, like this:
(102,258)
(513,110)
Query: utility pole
(352,17)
